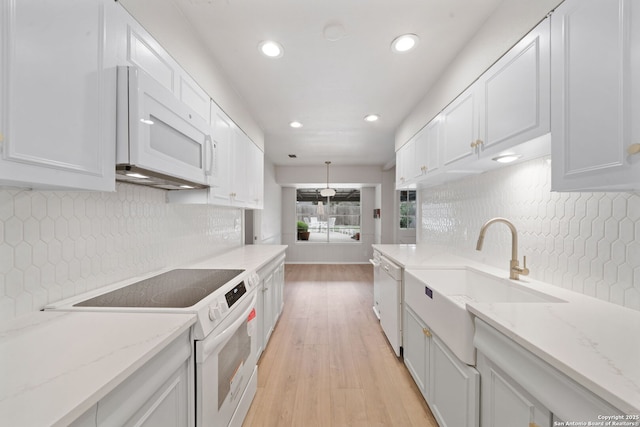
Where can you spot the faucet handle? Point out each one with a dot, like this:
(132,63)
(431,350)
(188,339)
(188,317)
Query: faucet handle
(524,270)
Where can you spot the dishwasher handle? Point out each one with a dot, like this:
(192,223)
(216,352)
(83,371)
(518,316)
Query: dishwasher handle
(374,262)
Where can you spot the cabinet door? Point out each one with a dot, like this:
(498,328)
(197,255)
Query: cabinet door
(505,403)
(516,93)
(405,165)
(595,95)
(427,151)
(255,175)
(279,289)
(220,192)
(460,128)
(416,349)
(57,95)
(193,95)
(454,389)
(156,395)
(240,189)
(140,49)
(267,307)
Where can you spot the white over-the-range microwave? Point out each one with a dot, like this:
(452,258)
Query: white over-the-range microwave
(160,141)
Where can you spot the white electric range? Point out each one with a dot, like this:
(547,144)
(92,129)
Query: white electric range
(225,333)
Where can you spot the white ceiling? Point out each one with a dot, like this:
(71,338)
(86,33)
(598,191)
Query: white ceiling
(330,86)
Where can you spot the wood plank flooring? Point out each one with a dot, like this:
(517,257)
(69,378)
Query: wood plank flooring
(328,363)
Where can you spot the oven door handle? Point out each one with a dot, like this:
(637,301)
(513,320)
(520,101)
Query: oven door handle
(209,347)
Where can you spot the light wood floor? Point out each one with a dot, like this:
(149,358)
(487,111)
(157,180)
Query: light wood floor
(328,363)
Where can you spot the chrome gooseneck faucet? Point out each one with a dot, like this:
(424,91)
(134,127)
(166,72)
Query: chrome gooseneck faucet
(514,270)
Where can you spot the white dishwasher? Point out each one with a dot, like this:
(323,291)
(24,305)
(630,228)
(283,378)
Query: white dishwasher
(389,283)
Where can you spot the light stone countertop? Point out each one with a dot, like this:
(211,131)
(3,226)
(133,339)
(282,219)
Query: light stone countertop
(54,366)
(593,342)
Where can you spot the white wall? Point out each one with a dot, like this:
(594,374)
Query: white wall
(166,23)
(511,20)
(588,242)
(389,206)
(357,252)
(57,244)
(293,175)
(271,230)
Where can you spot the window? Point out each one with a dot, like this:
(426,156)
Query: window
(335,221)
(407,209)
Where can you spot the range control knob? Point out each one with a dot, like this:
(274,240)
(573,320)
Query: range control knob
(215,311)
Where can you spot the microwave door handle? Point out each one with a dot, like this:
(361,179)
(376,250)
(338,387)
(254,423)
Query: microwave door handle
(208,146)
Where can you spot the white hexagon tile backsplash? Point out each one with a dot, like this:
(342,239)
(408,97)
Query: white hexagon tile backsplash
(588,242)
(55,244)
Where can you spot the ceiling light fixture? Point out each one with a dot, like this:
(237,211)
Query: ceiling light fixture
(404,43)
(371,118)
(506,158)
(327,192)
(271,49)
(295,124)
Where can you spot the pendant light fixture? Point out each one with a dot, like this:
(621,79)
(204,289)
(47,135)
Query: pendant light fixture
(327,192)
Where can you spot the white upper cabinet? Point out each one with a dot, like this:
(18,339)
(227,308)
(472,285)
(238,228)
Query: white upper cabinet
(247,177)
(223,160)
(515,94)
(507,110)
(507,107)
(595,72)
(420,157)
(57,95)
(427,151)
(460,127)
(405,165)
(137,47)
(237,168)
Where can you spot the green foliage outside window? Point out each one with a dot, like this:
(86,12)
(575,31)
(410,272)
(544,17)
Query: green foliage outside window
(407,209)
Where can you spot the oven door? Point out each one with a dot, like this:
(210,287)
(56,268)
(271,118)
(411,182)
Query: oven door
(225,365)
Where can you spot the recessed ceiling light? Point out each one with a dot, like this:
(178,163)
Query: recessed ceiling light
(507,158)
(371,118)
(295,124)
(404,43)
(271,49)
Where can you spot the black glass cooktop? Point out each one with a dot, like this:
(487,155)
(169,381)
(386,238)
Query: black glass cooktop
(173,289)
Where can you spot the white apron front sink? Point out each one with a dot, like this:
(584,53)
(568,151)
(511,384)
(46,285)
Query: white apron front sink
(440,297)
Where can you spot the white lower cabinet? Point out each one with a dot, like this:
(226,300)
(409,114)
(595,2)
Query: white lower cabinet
(504,403)
(270,300)
(159,394)
(416,348)
(268,323)
(520,389)
(454,386)
(450,387)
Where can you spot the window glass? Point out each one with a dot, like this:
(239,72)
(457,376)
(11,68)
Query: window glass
(407,209)
(321,219)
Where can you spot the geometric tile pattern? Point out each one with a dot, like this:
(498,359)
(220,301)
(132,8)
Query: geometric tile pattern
(587,242)
(54,244)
